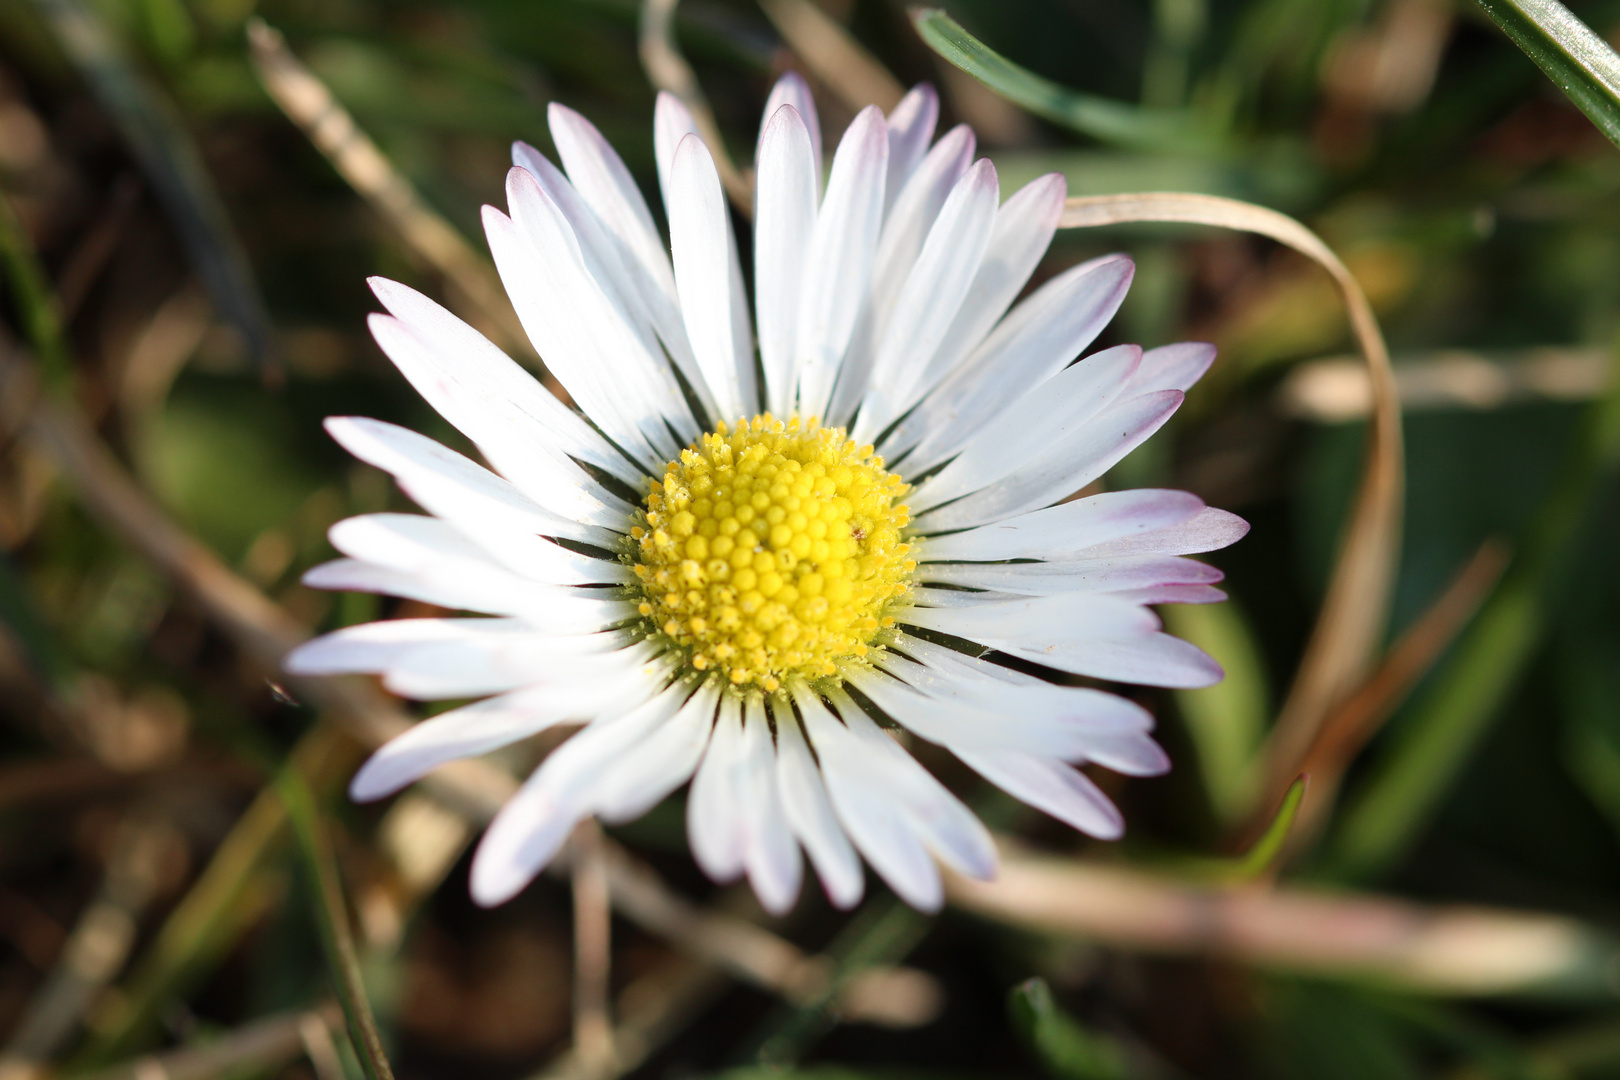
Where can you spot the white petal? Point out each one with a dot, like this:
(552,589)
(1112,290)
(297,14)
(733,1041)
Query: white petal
(948,828)
(465,669)
(772,855)
(1060,619)
(1023,231)
(661,763)
(549,609)
(933,293)
(1048,415)
(1133,753)
(602,351)
(370,647)
(1063,468)
(714,805)
(791,89)
(904,231)
(838,264)
(1037,339)
(551,295)
(535,822)
(672,122)
(911,127)
(784,220)
(653,314)
(415,542)
(947,714)
(700,236)
(1209,530)
(1172,367)
(1077,575)
(1066,530)
(804,800)
(487,396)
(482,727)
(1086,634)
(1060,790)
(608,188)
(872,818)
(450,485)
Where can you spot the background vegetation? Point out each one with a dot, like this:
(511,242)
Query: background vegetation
(184,301)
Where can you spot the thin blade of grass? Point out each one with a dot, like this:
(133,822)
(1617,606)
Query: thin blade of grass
(1261,859)
(332,915)
(1227,721)
(1419,767)
(169,158)
(1579,63)
(1068,1049)
(35,303)
(1351,622)
(1101,118)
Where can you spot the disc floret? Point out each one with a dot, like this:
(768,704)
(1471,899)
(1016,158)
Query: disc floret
(772,550)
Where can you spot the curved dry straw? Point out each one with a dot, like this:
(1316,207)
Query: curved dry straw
(1351,623)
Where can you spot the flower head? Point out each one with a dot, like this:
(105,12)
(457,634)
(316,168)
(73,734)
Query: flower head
(739,568)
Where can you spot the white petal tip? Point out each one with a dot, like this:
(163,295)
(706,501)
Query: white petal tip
(494,881)
(369,785)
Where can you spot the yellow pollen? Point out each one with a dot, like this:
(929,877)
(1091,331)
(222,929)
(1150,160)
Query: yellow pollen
(772,550)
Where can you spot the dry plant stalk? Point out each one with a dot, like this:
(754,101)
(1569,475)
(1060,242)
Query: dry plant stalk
(309,104)
(260,1046)
(1451,950)
(668,70)
(96,949)
(833,55)
(652,1010)
(593,948)
(1353,723)
(1347,632)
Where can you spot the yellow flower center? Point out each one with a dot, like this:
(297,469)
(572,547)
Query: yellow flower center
(772,550)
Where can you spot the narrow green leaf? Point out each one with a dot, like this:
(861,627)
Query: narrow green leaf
(1066,1048)
(333,916)
(1269,848)
(1226,721)
(1434,743)
(35,302)
(1262,854)
(1589,686)
(1582,64)
(1101,118)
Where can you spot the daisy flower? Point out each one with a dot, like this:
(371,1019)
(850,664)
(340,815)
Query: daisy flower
(763,571)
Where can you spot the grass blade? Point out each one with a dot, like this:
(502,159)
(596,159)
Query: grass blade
(1064,1046)
(36,304)
(1227,721)
(1579,62)
(1101,118)
(333,916)
(1435,743)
